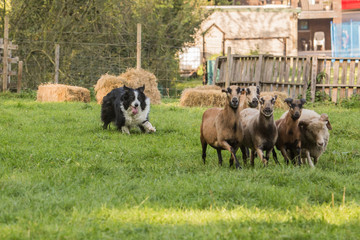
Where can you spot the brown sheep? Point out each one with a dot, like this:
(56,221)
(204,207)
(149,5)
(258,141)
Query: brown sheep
(220,128)
(251,97)
(289,135)
(259,129)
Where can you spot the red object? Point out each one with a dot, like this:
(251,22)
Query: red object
(350,4)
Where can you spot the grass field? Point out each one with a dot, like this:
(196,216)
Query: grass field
(63,177)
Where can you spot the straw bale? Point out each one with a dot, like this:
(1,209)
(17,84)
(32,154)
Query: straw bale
(133,78)
(191,97)
(61,93)
(281,96)
(208,87)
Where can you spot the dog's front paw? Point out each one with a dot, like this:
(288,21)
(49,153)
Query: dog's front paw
(148,127)
(125,129)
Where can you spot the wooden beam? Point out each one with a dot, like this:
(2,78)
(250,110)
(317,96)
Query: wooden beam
(19,82)
(138,47)
(5,53)
(57,59)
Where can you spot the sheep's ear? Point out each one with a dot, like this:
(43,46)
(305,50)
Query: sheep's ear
(273,100)
(126,88)
(324,117)
(238,90)
(258,90)
(303,124)
(248,91)
(224,90)
(288,101)
(261,100)
(303,101)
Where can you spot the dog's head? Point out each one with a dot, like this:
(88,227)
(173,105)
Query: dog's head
(134,99)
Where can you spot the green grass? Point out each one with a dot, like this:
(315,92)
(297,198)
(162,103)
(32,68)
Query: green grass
(63,177)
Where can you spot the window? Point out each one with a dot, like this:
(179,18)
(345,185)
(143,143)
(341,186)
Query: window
(303,25)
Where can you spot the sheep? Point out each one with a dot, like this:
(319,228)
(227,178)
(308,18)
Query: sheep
(220,128)
(314,135)
(259,129)
(289,136)
(251,97)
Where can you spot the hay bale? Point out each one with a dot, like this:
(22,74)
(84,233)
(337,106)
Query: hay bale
(133,78)
(208,87)
(281,96)
(192,97)
(62,93)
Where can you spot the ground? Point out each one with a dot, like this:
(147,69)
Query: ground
(62,176)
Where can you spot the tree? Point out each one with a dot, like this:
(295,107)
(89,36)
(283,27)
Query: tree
(100,36)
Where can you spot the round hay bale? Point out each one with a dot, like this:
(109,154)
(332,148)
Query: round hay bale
(105,84)
(62,93)
(191,97)
(133,78)
(281,96)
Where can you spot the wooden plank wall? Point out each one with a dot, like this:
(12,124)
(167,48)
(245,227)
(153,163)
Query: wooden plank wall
(338,78)
(341,77)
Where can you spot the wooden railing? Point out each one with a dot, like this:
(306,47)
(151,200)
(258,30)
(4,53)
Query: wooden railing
(339,78)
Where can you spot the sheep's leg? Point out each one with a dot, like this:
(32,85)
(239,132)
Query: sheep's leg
(226,146)
(244,154)
(261,156)
(283,152)
(252,157)
(231,160)
(275,156)
(309,159)
(204,146)
(298,151)
(219,156)
(315,160)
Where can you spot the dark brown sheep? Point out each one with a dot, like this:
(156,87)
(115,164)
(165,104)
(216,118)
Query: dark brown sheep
(289,135)
(259,129)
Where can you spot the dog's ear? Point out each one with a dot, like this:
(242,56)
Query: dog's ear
(141,89)
(126,88)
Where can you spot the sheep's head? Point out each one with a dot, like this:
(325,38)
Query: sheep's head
(267,104)
(295,106)
(252,96)
(316,130)
(233,94)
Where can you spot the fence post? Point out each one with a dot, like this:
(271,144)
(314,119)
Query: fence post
(259,70)
(228,68)
(20,69)
(314,69)
(138,47)
(5,55)
(57,59)
(306,75)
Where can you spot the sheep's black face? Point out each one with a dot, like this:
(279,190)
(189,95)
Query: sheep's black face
(267,105)
(233,96)
(296,106)
(252,96)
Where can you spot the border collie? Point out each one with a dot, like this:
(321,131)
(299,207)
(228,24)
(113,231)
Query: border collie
(128,108)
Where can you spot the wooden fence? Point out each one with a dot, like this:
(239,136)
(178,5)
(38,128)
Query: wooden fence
(339,78)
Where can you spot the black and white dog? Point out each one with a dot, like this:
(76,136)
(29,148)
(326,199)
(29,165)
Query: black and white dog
(127,107)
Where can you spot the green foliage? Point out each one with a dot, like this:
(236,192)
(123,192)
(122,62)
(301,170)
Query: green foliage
(63,177)
(353,102)
(98,37)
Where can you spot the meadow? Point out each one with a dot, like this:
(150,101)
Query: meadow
(63,177)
